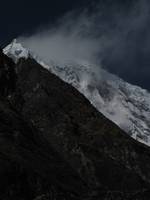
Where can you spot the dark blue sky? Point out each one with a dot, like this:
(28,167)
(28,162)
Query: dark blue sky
(129,57)
(23,16)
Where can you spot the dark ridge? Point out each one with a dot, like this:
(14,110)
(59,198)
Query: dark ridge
(55,145)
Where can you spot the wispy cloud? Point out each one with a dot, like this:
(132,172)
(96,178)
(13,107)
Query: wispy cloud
(69,40)
(112,34)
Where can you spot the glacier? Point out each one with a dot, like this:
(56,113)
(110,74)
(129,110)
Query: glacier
(125,104)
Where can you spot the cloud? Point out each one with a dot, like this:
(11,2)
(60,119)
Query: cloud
(127,41)
(67,41)
(116,35)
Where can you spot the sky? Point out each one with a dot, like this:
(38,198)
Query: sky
(24,16)
(112,33)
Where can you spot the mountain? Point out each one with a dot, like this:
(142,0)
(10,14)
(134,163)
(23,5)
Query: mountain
(126,105)
(55,145)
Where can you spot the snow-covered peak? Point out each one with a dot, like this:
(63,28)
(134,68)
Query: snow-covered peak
(126,105)
(16,51)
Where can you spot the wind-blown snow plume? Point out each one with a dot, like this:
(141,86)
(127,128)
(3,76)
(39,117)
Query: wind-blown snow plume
(68,41)
(111,34)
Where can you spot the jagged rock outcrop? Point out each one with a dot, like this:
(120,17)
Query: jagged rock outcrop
(55,145)
(7,75)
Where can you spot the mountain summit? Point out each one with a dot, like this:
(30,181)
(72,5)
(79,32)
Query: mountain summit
(126,105)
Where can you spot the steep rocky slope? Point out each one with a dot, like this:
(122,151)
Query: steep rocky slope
(55,145)
(29,166)
(126,105)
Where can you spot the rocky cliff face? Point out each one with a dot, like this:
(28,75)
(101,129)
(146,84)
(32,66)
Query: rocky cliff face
(7,75)
(55,145)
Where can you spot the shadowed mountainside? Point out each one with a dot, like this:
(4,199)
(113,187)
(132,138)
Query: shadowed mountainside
(55,145)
